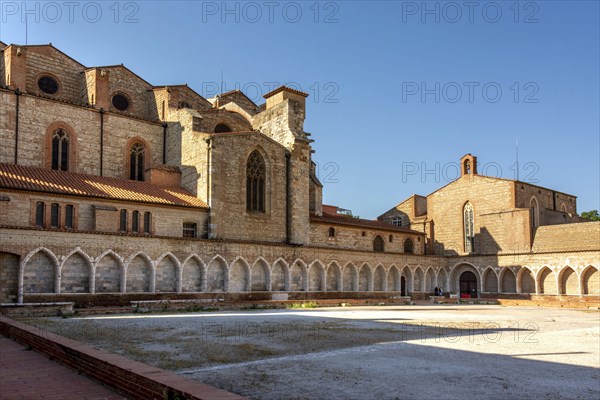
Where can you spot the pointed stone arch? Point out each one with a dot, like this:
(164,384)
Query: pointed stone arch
(568,281)
(507,281)
(139,273)
(526,281)
(393,280)
(334,277)
(316,277)
(108,273)
(590,281)
(167,274)
(298,276)
(350,278)
(546,281)
(280,276)
(418,280)
(193,274)
(239,275)
(39,271)
(365,278)
(260,277)
(429,280)
(75,272)
(457,271)
(379,279)
(489,281)
(217,275)
(442,280)
(406,281)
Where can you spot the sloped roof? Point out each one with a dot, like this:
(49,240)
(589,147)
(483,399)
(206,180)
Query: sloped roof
(19,177)
(282,88)
(360,223)
(580,236)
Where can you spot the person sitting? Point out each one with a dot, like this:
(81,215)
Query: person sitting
(436,291)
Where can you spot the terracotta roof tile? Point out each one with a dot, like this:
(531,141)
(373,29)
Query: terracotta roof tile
(68,183)
(361,223)
(282,88)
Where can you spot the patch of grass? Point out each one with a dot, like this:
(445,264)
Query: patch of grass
(305,304)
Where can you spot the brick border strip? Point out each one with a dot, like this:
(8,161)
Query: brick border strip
(130,378)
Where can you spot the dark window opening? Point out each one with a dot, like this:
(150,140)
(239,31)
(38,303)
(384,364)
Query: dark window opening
(255,183)
(147,221)
(54,215)
(136,162)
(190,229)
(39,215)
(222,128)
(331,232)
(123,221)
(135,222)
(378,244)
(48,85)
(69,216)
(469,228)
(391,238)
(60,150)
(120,102)
(184,104)
(408,246)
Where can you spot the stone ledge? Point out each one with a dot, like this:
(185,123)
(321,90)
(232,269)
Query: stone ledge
(131,378)
(37,309)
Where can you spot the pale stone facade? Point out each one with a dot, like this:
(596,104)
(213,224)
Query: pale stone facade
(159,190)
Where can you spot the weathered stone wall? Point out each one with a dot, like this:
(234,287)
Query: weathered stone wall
(108,263)
(361,238)
(524,193)
(229,218)
(93,214)
(39,117)
(46,60)
(445,208)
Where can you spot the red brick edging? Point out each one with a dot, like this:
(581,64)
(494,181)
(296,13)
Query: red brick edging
(131,378)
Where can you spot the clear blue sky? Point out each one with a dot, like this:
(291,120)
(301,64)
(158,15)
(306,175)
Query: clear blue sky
(396,87)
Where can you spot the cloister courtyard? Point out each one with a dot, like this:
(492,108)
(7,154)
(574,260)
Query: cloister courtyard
(384,352)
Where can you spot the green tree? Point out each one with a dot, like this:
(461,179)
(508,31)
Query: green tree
(591,215)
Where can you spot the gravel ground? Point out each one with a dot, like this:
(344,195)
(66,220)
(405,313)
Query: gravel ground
(390,352)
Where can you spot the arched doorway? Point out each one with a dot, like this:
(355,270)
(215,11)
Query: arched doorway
(468,285)
(402,286)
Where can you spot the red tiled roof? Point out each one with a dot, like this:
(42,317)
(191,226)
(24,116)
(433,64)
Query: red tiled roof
(69,183)
(282,88)
(361,223)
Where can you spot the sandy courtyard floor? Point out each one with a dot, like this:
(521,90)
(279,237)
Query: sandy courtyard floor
(392,352)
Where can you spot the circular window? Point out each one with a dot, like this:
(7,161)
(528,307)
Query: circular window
(48,85)
(120,102)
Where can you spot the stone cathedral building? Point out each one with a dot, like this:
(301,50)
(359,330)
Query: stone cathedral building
(112,187)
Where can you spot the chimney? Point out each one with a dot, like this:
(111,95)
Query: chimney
(163,175)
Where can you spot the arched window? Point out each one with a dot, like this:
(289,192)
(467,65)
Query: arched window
(222,128)
(331,232)
(467,167)
(408,246)
(534,213)
(136,162)
(255,182)
(469,228)
(60,150)
(378,244)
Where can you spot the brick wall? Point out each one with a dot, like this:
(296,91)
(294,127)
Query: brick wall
(133,379)
(97,215)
